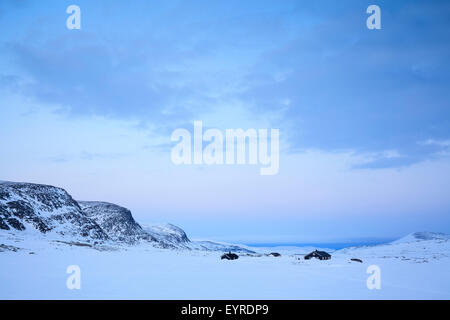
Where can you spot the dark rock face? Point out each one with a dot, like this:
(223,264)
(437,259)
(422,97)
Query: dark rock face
(51,210)
(4,247)
(46,209)
(24,212)
(116,221)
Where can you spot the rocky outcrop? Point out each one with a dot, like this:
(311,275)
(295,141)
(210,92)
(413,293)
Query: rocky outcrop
(50,210)
(168,233)
(45,209)
(116,221)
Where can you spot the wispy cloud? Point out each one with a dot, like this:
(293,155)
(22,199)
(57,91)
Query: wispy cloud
(313,71)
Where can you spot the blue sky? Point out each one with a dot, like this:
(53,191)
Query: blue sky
(364,116)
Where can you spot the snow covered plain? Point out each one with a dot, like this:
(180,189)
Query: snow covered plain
(415,267)
(43,231)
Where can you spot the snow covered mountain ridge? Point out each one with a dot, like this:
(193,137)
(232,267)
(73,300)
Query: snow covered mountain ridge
(415,247)
(116,221)
(46,209)
(423,236)
(49,211)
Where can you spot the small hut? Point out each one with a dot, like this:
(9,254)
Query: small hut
(321,255)
(229,256)
(274,254)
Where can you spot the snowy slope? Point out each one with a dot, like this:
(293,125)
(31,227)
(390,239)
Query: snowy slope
(116,221)
(415,247)
(219,246)
(145,272)
(168,234)
(176,237)
(127,265)
(423,236)
(32,212)
(45,209)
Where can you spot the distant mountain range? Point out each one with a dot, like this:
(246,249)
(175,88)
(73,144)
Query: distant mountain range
(35,212)
(419,247)
(423,236)
(52,212)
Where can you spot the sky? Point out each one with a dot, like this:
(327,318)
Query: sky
(363,115)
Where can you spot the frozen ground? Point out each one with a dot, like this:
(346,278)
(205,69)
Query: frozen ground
(410,269)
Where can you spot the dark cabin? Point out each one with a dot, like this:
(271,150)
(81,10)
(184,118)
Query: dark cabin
(229,256)
(274,254)
(321,255)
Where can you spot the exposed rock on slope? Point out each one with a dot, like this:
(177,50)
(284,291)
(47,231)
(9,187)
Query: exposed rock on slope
(51,210)
(168,233)
(116,221)
(45,209)
(174,236)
